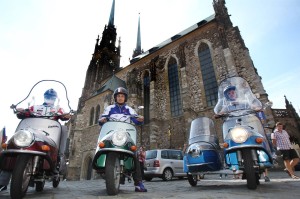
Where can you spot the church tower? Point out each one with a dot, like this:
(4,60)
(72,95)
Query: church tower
(138,50)
(105,60)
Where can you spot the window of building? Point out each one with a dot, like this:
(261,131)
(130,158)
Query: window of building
(174,89)
(208,75)
(97,114)
(91,116)
(146,97)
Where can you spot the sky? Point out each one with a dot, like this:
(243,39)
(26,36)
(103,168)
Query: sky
(55,39)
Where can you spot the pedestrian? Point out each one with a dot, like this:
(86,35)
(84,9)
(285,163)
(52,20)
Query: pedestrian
(142,159)
(262,117)
(265,173)
(184,147)
(117,111)
(281,140)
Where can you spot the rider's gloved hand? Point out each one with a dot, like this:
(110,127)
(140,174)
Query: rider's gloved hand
(23,113)
(140,119)
(65,117)
(217,116)
(102,120)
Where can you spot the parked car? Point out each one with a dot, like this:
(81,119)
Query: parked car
(164,163)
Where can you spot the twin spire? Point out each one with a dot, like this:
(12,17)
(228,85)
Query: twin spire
(138,49)
(112,15)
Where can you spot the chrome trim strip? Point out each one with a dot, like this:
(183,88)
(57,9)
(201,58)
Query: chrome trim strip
(23,152)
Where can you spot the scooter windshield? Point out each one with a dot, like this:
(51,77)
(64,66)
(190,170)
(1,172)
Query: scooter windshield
(48,97)
(202,129)
(235,94)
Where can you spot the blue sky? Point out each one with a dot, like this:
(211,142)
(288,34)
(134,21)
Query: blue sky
(55,39)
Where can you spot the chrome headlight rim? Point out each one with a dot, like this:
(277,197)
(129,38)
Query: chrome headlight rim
(194,150)
(23,138)
(119,137)
(239,134)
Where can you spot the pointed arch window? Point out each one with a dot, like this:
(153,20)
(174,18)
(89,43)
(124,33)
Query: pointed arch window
(208,75)
(174,89)
(92,116)
(97,114)
(147,97)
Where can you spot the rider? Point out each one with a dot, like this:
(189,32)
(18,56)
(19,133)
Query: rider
(46,109)
(117,111)
(233,102)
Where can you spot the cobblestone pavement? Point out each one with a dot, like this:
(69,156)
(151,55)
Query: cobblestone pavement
(281,186)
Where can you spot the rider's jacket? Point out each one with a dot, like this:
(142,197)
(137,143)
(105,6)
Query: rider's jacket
(232,106)
(44,110)
(120,113)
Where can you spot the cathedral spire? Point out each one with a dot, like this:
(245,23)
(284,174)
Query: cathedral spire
(287,103)
(138,49)
(112,15)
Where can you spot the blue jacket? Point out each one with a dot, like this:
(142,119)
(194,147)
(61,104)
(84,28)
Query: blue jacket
(120,113)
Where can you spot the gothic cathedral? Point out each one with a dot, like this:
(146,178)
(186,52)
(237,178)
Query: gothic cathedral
(176,81)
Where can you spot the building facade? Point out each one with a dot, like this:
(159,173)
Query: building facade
(176,82)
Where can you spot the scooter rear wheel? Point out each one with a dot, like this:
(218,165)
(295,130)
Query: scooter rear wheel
(55,182)
(39,186)
(192,179)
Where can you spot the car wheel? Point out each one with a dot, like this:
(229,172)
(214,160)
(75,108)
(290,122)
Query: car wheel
(147,178)
(167,174)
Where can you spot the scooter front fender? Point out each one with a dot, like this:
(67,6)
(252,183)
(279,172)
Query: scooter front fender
(8,158)
(100,156)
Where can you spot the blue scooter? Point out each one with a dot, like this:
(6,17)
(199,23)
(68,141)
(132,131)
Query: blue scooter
(245,151)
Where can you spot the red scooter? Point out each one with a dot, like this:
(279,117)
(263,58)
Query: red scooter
(35,153)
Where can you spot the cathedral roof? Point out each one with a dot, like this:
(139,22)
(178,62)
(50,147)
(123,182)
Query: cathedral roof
(112,84)
(170,40)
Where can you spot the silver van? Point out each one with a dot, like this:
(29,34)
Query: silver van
(164,163)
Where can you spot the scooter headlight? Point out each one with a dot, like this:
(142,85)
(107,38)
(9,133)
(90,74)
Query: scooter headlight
(119,137)
(239,135)
(23,138)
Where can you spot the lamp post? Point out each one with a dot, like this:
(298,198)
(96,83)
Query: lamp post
(141,136)
(141,133)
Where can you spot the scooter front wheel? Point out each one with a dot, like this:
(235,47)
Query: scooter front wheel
(249,169)
(21,176)
(112,173)
(192,179)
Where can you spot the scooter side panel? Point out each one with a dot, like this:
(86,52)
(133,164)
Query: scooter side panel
(52,127)
(101,160)
(208,161)
(128,163)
